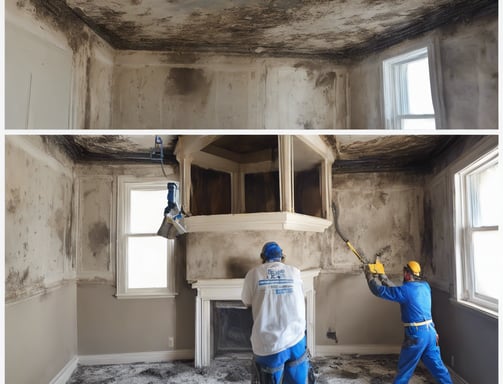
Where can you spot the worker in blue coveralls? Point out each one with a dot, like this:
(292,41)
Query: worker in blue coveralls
(420,337)
(275,293)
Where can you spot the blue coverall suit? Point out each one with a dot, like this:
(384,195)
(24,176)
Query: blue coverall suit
(420,341)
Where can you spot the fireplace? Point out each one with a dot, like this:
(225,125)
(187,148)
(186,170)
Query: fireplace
(231,323)
(215,294)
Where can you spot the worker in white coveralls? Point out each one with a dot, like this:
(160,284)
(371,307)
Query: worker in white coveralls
(420,337)
(275,293)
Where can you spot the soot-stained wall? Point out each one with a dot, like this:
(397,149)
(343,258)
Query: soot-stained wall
(59,72)
(61,221)
(378,212)
(39,221)
(40,311)
(467,60)
(72,79)
(163,90)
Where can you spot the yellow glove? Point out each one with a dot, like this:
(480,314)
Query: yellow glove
(377,268)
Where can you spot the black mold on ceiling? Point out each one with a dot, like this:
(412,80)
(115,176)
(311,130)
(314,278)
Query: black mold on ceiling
(353,153)
(337,29)
(388,153)
(116,148)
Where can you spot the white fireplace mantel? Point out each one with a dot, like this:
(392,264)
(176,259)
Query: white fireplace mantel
(230,289)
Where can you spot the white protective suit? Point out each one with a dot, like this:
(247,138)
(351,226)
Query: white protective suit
(275,292)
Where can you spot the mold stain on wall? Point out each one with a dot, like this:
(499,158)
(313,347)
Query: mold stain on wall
(427,240)
(99,239)
(38,217)
(187,81)
(57,14)
(19,284)
(14,200)
(57,221)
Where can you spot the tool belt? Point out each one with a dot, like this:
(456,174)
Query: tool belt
(417,324)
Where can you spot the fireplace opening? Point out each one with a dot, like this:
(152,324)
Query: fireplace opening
(232,325)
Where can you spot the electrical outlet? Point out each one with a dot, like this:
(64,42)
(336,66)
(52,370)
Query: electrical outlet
(452,361)
(171,342)
(332,335)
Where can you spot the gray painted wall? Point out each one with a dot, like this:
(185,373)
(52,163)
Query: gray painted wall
(40,335)
(108,324)
(469,338)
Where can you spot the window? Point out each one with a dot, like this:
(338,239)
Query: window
(478,208)
(409,102)
(144,260)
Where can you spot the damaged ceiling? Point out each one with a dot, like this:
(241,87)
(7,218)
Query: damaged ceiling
(353,153)
(326,28)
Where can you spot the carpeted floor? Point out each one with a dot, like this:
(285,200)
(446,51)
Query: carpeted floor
(345,369)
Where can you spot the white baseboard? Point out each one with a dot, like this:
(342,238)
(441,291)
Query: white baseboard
(140,357)
(122,358)
(356,349)
(64,375)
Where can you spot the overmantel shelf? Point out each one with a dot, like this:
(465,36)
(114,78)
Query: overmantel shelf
(289,187)
(266,221)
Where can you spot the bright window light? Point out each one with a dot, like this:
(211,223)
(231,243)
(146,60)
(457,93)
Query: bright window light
(418,87)
(144,210)
(145,261)
(407,92)
(477,209)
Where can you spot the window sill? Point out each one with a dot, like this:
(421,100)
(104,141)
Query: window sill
(474,307)
(123,296)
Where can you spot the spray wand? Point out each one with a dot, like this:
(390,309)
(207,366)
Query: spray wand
(337,229)
(377,267)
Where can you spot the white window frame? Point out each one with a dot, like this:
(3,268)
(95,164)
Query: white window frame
(126,184)
(465,291)
(392,105)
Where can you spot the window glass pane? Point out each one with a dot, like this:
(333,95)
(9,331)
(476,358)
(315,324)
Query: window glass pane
(418,123)
(147,210)
(485,199)
(486,263)
(147,262)
(418,88)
